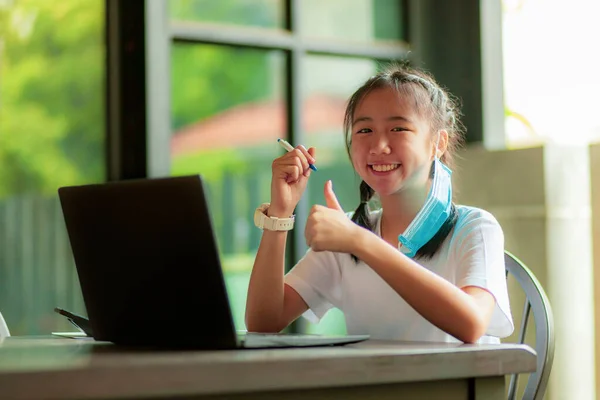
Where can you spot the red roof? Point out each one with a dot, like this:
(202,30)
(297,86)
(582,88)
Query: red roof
(254,123)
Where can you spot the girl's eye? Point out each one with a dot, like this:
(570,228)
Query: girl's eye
(399,129)
(364,130)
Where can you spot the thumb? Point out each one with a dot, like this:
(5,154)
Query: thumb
(332,201)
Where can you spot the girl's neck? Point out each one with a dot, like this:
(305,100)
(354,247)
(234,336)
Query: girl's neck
(399,210)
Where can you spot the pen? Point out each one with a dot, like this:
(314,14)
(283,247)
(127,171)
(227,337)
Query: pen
(289,148)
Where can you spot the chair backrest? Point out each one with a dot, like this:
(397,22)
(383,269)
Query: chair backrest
(4,332)
(536,301)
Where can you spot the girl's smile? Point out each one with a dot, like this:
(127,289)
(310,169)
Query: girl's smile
(384,169)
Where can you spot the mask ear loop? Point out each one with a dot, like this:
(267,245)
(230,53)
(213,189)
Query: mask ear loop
(437,145)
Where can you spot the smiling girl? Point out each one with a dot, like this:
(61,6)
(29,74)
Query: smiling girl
(418,268)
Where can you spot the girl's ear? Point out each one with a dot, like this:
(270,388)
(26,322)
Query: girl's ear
(442,143)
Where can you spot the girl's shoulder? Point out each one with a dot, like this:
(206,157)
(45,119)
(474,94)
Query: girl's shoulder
(468,214)
(474,218)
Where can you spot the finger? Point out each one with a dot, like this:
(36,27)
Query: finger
(330,198)
(305,160)
(293,157)
(302,165)
(308,154)
(290,168)
(289,160)
(298,153)
(291,173)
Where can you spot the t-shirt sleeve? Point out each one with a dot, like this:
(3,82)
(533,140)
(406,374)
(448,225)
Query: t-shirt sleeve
(317,279)
(479,252)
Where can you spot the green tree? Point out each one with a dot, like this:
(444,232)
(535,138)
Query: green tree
(51,95)
(258,13)
(208,79)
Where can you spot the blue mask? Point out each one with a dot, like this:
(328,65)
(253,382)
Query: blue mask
(432,215)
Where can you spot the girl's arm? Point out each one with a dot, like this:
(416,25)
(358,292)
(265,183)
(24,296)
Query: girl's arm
(271,305)
(463,313)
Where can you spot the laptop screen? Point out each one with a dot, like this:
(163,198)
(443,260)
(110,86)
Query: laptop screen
(148,263)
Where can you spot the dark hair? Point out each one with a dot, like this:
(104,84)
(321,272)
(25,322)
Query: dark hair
(429,99)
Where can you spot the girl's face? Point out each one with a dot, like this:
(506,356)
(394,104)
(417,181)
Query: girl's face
(390,142)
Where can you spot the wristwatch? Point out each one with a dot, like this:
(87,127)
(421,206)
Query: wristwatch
(263,221)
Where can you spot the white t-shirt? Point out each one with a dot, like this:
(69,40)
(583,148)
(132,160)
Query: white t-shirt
(471,255)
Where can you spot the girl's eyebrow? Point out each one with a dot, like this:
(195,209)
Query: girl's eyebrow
(393,118)
(361,119)
(400,118)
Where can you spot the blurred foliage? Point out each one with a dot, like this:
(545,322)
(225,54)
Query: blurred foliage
(212,164)
(51,95)
(209,79)
(259,13)
(52,88)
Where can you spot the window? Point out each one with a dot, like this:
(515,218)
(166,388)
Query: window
(244,73)
(536,83)
(51,135)
(256,13)
(227,111)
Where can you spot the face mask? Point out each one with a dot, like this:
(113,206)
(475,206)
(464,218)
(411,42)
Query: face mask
(432,215)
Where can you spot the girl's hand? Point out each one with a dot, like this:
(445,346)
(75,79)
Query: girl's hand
(328,228)
(288,182)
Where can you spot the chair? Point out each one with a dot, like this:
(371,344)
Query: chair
(537,301)
(4,332)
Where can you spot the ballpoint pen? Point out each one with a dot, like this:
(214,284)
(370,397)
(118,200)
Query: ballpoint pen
(289,148)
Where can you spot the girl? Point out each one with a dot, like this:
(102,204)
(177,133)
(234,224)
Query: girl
(418,268)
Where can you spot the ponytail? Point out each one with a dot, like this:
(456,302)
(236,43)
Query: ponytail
(361,217)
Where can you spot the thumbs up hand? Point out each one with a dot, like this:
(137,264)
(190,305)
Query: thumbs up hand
(328,228)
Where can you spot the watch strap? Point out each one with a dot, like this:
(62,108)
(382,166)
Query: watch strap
(263,221)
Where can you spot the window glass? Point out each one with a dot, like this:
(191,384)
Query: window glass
(353,20)
(51,135)
(227,113)
(535,84)
(259,13)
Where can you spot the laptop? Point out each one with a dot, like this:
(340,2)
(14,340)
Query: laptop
(149,267)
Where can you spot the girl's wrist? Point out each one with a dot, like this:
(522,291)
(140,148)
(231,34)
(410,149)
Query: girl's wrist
(278,211)
(358,242)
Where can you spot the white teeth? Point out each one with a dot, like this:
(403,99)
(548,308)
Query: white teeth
(384,168)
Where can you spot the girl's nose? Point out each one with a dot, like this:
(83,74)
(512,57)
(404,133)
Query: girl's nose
(380,145)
